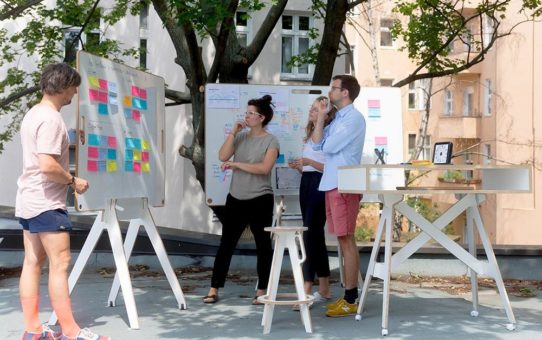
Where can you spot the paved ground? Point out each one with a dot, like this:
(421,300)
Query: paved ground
(416,312)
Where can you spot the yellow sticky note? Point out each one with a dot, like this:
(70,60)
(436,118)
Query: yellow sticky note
(146,167)
(146,144)
(137,155)
(93,81)
(127,101)
(111,166)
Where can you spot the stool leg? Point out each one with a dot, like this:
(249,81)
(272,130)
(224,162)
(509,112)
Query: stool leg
(293,250)
(272,286)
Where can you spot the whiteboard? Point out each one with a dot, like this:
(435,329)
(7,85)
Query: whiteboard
(120,149)
(226,103)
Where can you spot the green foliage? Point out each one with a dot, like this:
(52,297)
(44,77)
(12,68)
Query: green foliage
(430,213)
(363,234)
(452,175)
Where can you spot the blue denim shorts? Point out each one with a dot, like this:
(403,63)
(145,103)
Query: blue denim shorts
(50,220)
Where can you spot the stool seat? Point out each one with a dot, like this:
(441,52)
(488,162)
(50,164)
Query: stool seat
(290,238)
(266,299)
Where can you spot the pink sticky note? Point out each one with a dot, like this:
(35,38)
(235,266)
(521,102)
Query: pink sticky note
(381,140)
(93,95)
(144,156)
(92,166)
(112,142)
(93,152)
(102,97)
(137,167)
(103,84)
(373,103)
(135,91)
(142,93)
(136,115)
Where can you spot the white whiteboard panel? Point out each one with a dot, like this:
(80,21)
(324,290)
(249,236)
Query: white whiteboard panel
(381,107)
(226,103)
(121,128)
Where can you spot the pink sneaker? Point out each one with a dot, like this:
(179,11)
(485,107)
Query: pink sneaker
(46,334)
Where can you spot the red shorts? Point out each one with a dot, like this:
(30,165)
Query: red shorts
(342,212)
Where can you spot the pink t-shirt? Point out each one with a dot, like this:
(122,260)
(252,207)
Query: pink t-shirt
(42,132)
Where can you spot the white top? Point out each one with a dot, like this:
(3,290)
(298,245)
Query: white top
(42,132)
(309,152)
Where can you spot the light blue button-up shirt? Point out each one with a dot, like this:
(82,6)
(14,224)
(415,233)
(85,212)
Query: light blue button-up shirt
(342,144)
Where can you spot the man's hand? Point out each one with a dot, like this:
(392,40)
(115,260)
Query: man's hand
(80,185)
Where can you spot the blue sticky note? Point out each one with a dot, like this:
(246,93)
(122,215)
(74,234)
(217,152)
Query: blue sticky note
(102,165)
(130,143)
(129,155)
(143,104)
(128,113)
(102,153)
(136,102)
(111,154)
(112,87)
(93,139)
(103,141)
(280,158)
(137,143)
(128,166)
(102,109)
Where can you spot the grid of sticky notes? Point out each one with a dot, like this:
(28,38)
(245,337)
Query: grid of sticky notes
(137,155)
(135,104)
(101,153)
(104,94)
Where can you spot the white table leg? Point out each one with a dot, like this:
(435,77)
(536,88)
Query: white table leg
(494,267)
(471,241)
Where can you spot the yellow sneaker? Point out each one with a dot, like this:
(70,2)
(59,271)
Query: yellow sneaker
(334,304)
(342,308)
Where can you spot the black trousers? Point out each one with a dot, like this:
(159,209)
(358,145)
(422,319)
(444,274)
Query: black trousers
(313,210)
(258,214)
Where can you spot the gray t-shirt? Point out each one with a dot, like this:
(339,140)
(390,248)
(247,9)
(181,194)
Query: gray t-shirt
(245,185)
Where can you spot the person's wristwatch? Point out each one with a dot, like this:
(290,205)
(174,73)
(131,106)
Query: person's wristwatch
(72,182)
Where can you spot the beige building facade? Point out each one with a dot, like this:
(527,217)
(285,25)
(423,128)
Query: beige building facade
(491,112)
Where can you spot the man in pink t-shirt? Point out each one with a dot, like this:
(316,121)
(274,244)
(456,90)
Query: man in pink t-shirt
(41,205)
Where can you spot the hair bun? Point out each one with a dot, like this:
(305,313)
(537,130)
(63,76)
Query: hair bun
(267,98)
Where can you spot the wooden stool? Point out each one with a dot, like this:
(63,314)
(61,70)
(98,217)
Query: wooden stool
(291,238)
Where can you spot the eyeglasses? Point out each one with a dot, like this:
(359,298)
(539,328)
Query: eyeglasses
(335,87)
(253,113)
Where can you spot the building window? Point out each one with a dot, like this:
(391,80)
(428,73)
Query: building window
(417,94)
(411,144)
(143,54)
(448,103)
(412,96)
(467,40)
(468,101)
(487,97)
(349,60)
(386,82)
(487,154)
(86,41)
(241,28)
(144,18)
(489,28)
(426,152)
(295,41)
(386,40)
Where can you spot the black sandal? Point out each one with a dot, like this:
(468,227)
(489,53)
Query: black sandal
(210,298)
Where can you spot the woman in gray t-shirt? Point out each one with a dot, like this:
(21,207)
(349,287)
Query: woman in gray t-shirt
(250,201)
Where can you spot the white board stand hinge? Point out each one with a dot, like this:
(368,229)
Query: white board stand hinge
(108,220)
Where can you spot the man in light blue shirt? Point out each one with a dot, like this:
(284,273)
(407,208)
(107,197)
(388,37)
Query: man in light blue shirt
(342,143)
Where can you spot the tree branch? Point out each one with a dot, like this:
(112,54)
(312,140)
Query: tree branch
(13,97)
(15,11)
(178,97)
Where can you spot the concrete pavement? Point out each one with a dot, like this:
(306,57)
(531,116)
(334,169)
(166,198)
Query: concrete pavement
(416,312)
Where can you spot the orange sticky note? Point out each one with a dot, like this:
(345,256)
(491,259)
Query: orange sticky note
(127,101)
